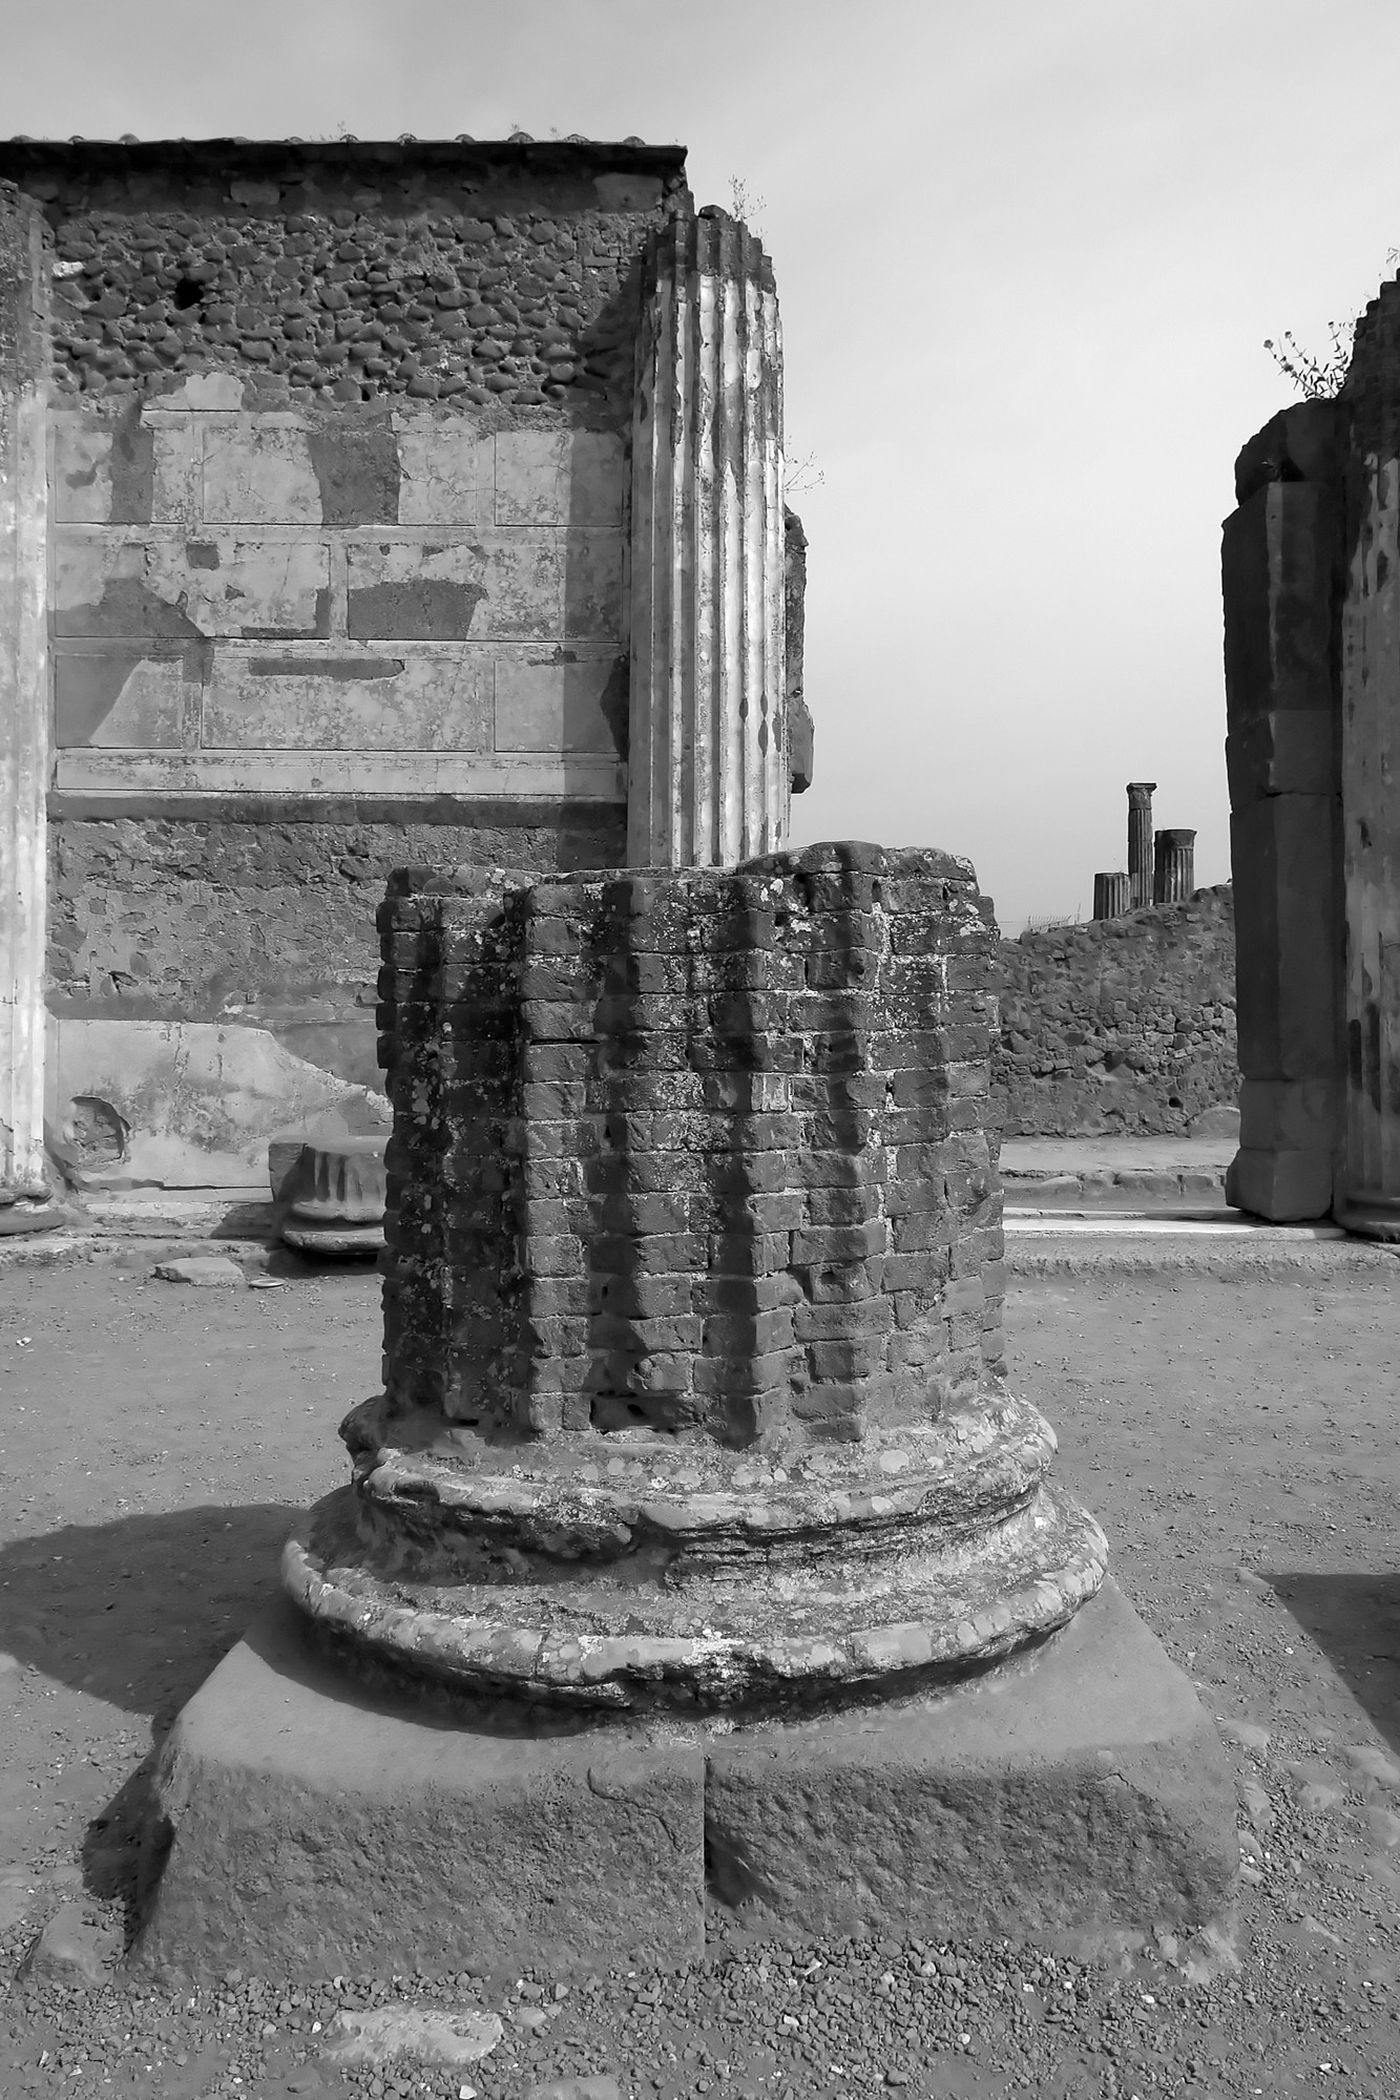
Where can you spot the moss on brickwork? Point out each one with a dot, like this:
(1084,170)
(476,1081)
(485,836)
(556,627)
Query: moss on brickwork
(1122,1025)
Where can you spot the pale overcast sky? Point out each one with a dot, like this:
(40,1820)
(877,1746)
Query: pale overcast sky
(1027,254)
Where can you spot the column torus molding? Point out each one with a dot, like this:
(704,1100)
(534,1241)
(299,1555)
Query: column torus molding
(24,736)
(709,781)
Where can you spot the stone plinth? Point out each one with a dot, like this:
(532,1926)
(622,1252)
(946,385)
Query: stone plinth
(709,773)
(24,707)
(1140,793)
(696,1502)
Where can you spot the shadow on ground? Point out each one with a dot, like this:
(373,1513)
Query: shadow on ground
(1355,1620)
(137,1612)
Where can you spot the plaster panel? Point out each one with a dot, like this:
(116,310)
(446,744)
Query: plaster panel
(130,698)
(446,472)
(593,588)
(257,472)
(407,590)
(81,486)
(219,583)
(554,706)
(559,477)
(356,700)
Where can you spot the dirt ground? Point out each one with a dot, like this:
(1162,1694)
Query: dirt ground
(1237,1441)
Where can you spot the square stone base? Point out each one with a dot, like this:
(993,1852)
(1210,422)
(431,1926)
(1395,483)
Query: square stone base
(315,1827)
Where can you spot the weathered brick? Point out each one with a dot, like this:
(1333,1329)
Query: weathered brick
(839,1319)
(837,1243)
(755,1334)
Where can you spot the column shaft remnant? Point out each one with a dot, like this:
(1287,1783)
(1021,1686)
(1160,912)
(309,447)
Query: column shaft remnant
(709,777)
(1173,866)
(1140,793)
(1112,895)
(24,701)
(690,1177)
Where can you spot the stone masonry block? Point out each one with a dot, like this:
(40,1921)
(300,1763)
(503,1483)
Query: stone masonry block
(580,706)
(286,1796)
(120,698)
(1289,1115)
(1285,1186)
(1284,751)
(446,472)
(1279,553)
(1288,936)
(559,477)
(220,584)
(353,699)
(259,472)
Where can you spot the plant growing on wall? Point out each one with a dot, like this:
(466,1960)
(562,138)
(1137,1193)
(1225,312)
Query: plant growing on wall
(1319,378)
(1316,378)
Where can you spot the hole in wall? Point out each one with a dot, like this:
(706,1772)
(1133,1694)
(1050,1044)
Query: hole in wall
(96,1133)
(188,292)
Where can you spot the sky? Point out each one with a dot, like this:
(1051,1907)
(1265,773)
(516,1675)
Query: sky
(1027,256)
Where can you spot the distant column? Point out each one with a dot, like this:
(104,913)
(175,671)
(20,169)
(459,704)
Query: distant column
(709,779)
(1111,895)
(1173,866)
(1140,793)
(24,739)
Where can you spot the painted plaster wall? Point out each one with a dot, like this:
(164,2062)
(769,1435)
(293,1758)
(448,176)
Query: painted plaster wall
(327,600)
(338,488)
(1121,1026)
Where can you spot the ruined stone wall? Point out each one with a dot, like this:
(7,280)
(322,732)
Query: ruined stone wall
(338,496)
(705,1150)
(271,923)
(1122,1026)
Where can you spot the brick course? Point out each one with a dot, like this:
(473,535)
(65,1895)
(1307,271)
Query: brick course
(758,1203)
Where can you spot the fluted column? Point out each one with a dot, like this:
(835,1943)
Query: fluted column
(24,741)
(1140,793)
(709,779)
(1173,866)
(1111,894)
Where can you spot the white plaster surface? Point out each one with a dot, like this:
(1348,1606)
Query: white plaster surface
(201,1100)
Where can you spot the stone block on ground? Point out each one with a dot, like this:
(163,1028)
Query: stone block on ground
(73,1949)
(432,2036)
(320,1827)
(205,1271)
(1073,1793)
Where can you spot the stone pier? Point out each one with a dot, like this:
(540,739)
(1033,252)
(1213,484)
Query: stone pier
(700,1574)
(24,709)
(1173,866)
(1282,560)
(1112,895)
(1368,1193)
(709,776)
(1140,793)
